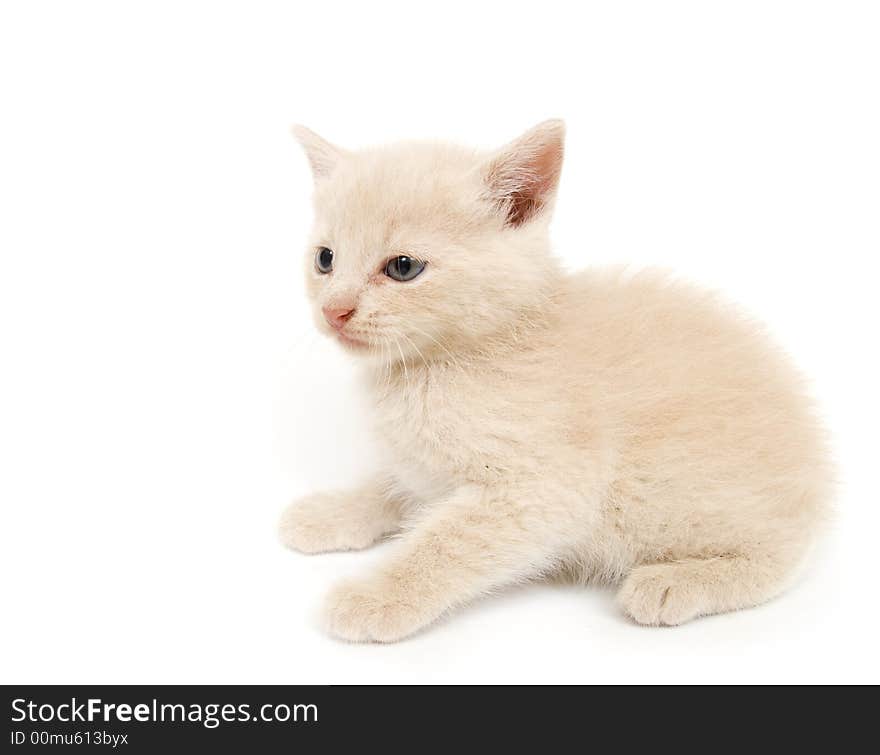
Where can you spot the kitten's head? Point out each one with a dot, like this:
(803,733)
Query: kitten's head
(427,249)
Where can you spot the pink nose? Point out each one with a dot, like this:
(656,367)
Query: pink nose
(337,316)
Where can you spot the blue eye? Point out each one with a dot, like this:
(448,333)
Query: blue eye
(403,268)
(324,260)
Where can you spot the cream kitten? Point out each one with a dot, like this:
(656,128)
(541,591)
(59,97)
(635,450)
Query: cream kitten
(618,427)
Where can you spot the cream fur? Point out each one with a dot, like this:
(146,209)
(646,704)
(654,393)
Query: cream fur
(617,427)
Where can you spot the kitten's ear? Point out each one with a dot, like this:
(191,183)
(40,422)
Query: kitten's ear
(522,177)
(323,156)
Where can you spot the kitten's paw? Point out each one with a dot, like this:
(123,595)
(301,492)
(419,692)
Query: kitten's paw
(660,594)
(369,611)
(324,522)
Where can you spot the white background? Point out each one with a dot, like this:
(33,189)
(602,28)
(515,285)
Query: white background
(163,394)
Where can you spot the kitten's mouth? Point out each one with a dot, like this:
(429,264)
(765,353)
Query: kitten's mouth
(353,343)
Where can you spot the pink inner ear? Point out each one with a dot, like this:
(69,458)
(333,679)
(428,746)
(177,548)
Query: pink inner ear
(525,179)
(528,201)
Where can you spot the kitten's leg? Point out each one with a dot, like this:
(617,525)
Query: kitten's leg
(677,591)
(470,543)
(340,521)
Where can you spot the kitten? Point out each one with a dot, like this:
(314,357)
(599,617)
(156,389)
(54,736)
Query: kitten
(622,428)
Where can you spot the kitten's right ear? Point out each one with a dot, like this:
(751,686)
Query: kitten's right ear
(323,156)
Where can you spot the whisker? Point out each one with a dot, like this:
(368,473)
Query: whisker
(452,357)
(418,351)
(403,359)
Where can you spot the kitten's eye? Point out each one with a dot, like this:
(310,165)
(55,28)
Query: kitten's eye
(403,268)
(324,260)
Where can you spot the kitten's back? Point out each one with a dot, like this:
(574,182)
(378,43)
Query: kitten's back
(705,411)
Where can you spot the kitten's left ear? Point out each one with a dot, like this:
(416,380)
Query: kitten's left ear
(323,156)
(522,177)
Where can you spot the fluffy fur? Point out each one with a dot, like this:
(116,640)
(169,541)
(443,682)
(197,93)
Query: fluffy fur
(619,427)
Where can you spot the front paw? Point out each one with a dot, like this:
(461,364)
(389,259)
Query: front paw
(321,523)
(373,611)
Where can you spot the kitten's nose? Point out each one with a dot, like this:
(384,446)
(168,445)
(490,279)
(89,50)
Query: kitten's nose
(337,316)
